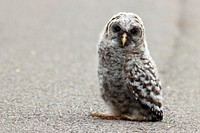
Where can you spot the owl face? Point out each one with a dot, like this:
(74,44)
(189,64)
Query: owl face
(126,30)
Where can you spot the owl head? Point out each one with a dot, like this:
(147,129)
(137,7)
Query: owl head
(125,30)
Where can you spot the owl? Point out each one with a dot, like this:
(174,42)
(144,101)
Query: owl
(127,75)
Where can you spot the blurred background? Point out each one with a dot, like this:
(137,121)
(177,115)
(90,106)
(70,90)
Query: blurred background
(48,64)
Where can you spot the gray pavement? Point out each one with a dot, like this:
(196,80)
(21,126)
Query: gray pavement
(48,64)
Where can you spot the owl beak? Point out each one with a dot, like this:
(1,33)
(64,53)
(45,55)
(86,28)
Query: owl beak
(124,39)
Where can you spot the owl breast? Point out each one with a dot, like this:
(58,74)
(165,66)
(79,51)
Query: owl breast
(113,81)
(111,65)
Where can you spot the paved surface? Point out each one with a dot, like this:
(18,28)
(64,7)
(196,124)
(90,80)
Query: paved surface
(48,68)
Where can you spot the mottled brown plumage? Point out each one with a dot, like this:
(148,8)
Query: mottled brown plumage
(128,77)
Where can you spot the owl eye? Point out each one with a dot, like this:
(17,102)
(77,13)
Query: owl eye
(116,28)
(134,31)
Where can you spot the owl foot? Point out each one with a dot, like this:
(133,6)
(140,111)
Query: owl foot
(120,117)
(133,117)
(155,115)
(105,116)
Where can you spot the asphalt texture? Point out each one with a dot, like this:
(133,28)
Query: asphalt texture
(48,64)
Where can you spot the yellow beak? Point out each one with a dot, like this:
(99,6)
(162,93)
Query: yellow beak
(124,39)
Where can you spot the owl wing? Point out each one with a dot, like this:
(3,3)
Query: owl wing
(143,82)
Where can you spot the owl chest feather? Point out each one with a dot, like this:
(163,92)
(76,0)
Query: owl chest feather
(112,63)
(119,66)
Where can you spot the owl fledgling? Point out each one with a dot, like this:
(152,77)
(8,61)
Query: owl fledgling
(128,77)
